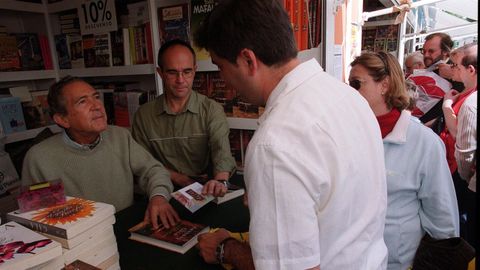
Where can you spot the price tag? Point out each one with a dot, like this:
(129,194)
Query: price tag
(97,16)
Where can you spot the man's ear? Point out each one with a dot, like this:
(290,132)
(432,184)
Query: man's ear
(61,120)
(248,56)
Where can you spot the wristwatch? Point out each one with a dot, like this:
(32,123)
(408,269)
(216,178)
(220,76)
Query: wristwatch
(224,182)
(220,251)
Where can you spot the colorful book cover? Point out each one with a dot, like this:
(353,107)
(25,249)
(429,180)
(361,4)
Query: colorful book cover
(199,10)
(191,197)
(103,50)
(75,45)
(63,54)
(36,111)
(174,23)
(22,248)
(66,220)
(9,59)
(29,51)
(179,238)
(11,115)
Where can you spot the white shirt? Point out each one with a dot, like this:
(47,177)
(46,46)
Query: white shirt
(466,140)
(315,176)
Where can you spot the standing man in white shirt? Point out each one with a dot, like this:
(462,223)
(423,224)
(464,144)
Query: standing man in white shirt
(314,171)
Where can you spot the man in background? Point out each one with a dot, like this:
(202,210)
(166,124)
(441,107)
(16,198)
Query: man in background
(184,130)
(96,161)
(316,194)
(461,110)
(412,62)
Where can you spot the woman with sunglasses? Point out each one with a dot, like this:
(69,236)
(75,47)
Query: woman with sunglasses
(421,197)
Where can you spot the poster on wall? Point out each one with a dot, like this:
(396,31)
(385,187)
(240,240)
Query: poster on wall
(97,16)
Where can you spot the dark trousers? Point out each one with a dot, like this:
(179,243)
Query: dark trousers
(466,200)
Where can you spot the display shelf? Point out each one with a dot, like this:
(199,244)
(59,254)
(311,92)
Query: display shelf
(145,69)
(29,134)
(22,6)
(61,6)
(12,76)
(242,123)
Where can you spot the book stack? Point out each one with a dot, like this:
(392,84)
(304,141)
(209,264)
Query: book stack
(83,228)
(22,248)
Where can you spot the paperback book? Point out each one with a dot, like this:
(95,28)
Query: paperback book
(191,197)
(67,220)
(179,238)
(22,248)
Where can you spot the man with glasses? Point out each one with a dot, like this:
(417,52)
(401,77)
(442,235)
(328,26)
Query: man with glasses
(436,53)
(183,129)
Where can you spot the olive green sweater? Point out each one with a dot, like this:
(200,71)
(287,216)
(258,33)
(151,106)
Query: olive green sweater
(105,173)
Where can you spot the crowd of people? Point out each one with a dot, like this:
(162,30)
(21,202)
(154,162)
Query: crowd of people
(337,176)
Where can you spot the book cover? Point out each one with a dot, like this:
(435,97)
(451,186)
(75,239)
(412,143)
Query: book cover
(9,59)
(63,54)
(173,23)
(191,197)
(46,53)
(116,38)
(11,115)
(22,248)
(179,238)
(36,111)
(29,51)
(75,46)
(199,10)
(103,50)
(89,58)
(66,220)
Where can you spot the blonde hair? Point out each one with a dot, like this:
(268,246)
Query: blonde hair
(381,65)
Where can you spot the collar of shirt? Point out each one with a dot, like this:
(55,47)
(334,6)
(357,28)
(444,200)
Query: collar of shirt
(289,82)
(83,147)
(399,132)
(193,104)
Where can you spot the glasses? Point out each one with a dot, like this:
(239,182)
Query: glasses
(355,84)
(186,73)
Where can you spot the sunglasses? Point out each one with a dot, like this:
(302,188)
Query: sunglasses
(355,84)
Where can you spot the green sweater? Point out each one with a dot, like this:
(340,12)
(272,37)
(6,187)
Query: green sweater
(105,173)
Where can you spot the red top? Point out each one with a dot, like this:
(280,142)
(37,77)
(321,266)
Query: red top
(447,138)
(388,121)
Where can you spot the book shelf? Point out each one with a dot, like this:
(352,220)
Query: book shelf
(42,18)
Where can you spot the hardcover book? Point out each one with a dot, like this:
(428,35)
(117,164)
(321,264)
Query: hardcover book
(179,238)
(11,115)
(22,248)
(191,197)
(66,220)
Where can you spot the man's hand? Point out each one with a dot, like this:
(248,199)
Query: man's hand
(158,207)
(208,242)
(215,188)
(445,71)
(449,98)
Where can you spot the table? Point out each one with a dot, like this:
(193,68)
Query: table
(232,215)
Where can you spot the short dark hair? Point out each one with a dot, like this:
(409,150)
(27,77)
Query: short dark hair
(446,42)
(171,43)
(262,26)
(55,99)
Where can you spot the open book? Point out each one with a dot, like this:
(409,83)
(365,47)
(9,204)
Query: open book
(179,238)
(192,198)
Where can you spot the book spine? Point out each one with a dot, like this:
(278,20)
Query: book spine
(39,227)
